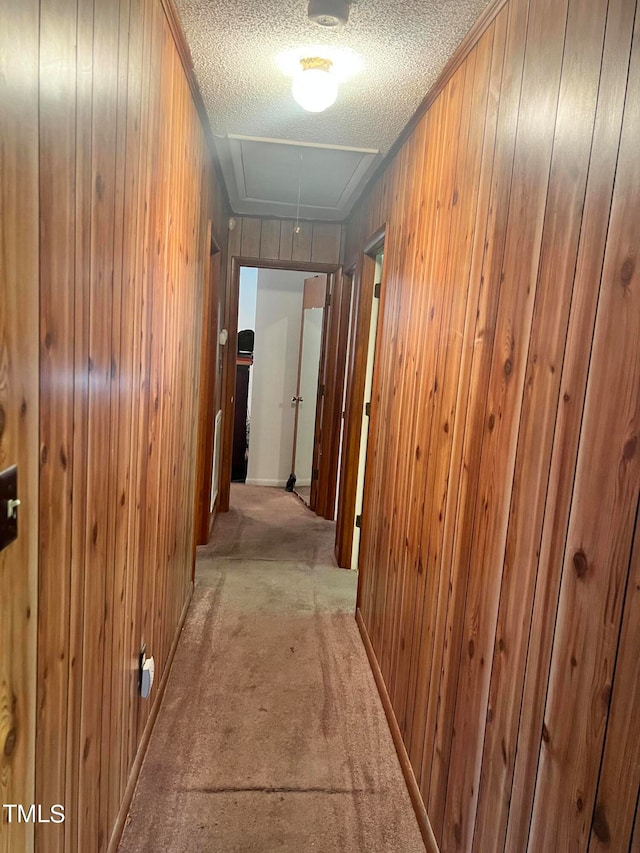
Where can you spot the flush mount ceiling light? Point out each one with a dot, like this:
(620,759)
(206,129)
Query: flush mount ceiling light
(318,66)
(329,13)
(314,87)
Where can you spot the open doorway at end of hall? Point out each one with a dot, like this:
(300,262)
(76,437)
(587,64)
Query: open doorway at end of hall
(279,395)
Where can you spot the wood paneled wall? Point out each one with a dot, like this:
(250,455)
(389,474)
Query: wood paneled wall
(18,409)
(275,240)
(271,240)
(499,574)
(125,199)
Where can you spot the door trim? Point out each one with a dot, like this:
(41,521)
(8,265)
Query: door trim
(206,408)
(327,463)
(363,272)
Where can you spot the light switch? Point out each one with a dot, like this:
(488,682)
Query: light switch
(9,504)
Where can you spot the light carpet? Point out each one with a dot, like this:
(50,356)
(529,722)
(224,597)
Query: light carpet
(271,735)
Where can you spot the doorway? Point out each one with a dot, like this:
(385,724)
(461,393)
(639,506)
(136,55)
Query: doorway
(366,404)
(278,364)
(324,473)
(368,285)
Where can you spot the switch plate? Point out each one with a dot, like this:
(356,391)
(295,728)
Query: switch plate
(8,514)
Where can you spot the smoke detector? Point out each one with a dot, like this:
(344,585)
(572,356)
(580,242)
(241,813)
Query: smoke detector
(329,13)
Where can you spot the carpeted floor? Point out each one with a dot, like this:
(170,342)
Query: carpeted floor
(271,735)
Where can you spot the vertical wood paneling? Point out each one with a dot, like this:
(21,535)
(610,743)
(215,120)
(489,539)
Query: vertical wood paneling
(126,193)
(428,653)
(97,566)
(57,276)
(270,238)
(302,243)
(84,188)
(286,240)
(595,220)
(601,524)
(274,239)
(19,410)
(114,623)
(251,230)
(126,452)
(502,479)
(452,473)
(569,167)
(519,277)
(326,241)
(619,782)
(458,528)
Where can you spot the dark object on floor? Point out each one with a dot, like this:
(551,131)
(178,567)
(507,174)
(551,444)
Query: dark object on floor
(291,482)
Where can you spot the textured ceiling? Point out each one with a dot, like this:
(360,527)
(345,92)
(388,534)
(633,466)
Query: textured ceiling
(404,45)
(235,45)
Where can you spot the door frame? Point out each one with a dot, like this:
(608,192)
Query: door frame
(363,273)
(328,455)
(319,397)
(204,516)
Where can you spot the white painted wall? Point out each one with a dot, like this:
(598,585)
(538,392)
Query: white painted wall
(275,374)
(247,296)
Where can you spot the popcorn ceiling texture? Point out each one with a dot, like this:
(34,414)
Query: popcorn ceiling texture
(404,43)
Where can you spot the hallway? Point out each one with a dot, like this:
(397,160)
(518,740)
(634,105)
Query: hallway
(271,735)
(471,192)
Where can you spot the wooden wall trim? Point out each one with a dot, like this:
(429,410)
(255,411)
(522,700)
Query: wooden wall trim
(180,41)
(405,765)
(272,264)
(179,38)
(146,735)
(375,242)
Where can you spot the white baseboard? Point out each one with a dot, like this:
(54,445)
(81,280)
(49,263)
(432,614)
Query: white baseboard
(253,482)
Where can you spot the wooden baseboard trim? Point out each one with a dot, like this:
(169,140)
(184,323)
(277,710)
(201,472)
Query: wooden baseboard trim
(118,828)
(407,770)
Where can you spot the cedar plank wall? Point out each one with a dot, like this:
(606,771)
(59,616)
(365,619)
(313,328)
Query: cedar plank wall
(273,239)
(126,195)
(499,575)
(19,407)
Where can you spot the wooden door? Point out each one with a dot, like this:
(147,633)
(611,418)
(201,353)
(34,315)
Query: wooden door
(307,399)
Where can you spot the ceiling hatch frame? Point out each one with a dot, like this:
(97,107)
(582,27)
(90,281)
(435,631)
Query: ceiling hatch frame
(353,165)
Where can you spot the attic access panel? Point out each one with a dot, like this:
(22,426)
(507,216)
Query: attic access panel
(262,177)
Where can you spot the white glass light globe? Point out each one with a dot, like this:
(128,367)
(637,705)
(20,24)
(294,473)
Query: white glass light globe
(314,89)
